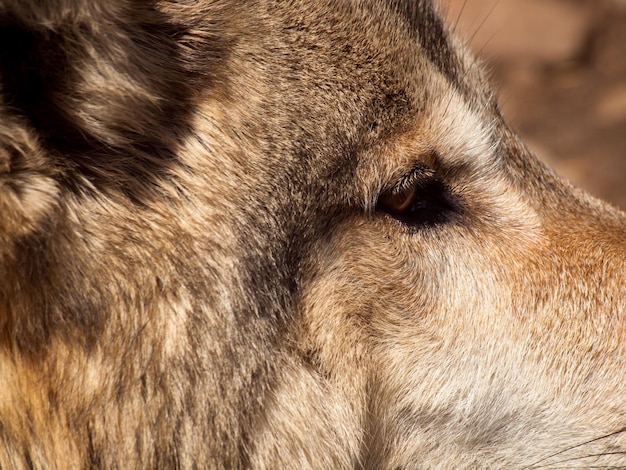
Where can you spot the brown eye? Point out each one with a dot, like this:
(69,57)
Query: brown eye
(398,201)
(419,200)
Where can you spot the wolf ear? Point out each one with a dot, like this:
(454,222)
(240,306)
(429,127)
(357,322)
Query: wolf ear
(34,71)
(105,85)
(28,189)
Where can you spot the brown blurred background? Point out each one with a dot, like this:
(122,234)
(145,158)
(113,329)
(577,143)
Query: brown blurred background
(560,67)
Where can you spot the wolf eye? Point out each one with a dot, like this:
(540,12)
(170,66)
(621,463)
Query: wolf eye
(420,199)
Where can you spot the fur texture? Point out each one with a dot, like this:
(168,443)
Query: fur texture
(289,235)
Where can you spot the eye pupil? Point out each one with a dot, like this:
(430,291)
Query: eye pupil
(419,204)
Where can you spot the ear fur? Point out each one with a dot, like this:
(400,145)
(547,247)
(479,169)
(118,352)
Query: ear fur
(107,87)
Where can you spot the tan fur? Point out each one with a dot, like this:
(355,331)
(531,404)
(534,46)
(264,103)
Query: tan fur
(205,261)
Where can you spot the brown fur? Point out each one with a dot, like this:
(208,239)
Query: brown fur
(207,261)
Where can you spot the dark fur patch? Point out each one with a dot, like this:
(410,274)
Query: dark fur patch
(123,134)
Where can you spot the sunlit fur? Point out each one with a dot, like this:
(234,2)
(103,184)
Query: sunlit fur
(195,271)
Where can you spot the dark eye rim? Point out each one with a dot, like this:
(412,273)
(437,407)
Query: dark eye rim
(419,199)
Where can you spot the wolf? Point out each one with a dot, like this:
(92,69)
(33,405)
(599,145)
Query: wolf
(296,234)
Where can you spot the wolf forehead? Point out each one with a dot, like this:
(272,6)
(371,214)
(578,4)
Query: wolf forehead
(113,90)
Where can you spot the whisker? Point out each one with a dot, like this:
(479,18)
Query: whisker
(586,467)
(591,441)
(482,48)
(603,467)
(477,54)
(458,18)
(482,23)
(582,457)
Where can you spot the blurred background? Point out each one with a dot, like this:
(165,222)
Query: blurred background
(560,68)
